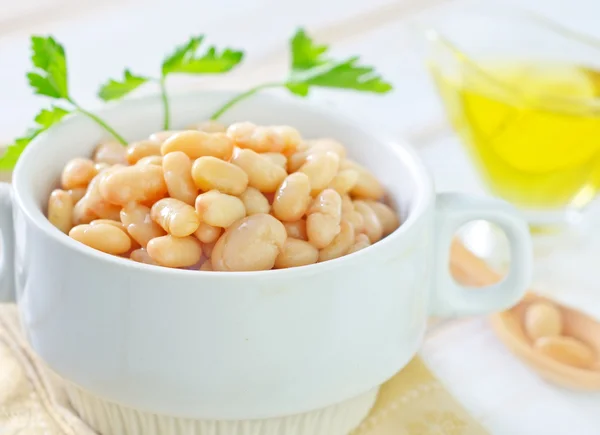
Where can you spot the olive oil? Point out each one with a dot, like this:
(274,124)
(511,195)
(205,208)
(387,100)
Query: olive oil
(533,128)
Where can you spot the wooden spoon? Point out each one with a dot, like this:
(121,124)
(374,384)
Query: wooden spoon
(470,270)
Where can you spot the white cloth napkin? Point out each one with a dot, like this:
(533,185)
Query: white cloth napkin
(502,393)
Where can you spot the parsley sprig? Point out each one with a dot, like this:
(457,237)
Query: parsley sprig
(310,67)
(184,60)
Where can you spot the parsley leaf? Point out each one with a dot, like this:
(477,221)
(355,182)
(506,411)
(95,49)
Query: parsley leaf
(45,119)
(186,60)
(48,117)
(13,152)
(49,76)
(310,67)
(300,89)
(305,53)
(176,58)
(115,89)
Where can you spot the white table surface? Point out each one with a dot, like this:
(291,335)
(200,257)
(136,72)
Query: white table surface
(101,37)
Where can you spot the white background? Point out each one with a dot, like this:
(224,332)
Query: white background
(102,37)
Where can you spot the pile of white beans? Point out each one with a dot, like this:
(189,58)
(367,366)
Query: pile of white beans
(237,198)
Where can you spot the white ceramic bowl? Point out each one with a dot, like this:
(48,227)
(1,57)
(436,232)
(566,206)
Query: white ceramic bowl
(253,345)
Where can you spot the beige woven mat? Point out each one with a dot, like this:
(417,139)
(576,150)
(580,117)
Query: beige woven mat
(412,403)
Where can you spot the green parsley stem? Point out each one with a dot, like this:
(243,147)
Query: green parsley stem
(165,100)
(100,122)
(241,97)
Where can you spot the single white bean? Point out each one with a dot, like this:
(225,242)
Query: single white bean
(323,218)
(252,243)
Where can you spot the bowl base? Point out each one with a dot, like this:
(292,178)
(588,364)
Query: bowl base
(109,418)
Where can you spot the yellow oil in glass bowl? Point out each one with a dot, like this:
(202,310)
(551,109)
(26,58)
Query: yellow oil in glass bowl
(531,128)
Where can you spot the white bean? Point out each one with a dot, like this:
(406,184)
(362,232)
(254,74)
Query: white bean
(296,253)
(252,243)
(292,197)
(323,218)
(219,209)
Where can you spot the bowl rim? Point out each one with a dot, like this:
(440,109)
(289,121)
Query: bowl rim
(400,148)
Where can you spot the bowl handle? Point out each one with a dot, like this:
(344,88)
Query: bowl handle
(7,260)
(451,299)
